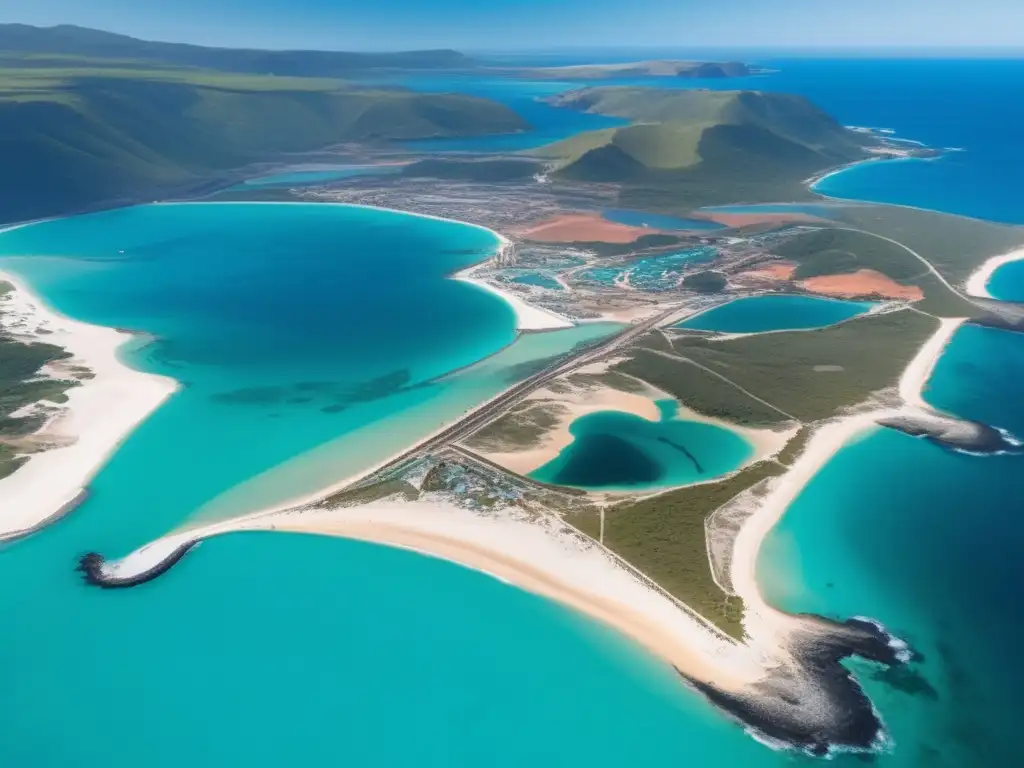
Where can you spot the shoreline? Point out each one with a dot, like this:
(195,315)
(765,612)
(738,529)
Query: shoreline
(764,443)
(823,445)
(97,418)
(544,557)
(528,317)
(977,283)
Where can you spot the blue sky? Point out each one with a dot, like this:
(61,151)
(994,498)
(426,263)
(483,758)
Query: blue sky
(533,24)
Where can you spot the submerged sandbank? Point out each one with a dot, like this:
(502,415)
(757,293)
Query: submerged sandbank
(98,415)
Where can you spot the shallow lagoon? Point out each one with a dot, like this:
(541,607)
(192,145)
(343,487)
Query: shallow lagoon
(657,221)
(613,450)
(301,178)
(777,312)
(662,272)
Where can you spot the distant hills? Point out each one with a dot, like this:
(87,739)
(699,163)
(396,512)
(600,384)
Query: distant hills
(72,138)
(732,145)
(71,41)
(653,68)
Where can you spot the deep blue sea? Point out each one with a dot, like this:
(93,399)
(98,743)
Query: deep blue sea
(317,332)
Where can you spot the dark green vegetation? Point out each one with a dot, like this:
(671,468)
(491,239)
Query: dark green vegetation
(865,355)
(76,137)
(66,42)
(835,251)
(21,385)
(705,282)
(839,251)
(477,170)
(523,426)
(664,538)
(954,245)
(686,149)
(697,389)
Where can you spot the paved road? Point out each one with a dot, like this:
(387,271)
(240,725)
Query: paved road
(487,412)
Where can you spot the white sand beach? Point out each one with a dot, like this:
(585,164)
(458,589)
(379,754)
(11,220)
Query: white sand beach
(543,556)
(977,283)
(915,376)
(827,441)
(528,317)
(98,416)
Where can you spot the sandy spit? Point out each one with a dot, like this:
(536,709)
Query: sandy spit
(99,414)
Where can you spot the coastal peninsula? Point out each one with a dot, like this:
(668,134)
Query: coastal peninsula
(632,473)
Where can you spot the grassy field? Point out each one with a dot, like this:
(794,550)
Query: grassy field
(664,537)
(838,251)
(692,148)
(861,356)
(699,390)
(955,245)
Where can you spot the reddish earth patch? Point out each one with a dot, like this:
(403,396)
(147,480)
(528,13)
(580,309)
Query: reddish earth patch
(777,270)
(863,282)
(582,228)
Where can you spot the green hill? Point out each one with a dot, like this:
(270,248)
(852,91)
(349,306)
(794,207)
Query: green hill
(71,41)
(74,138)
(651,68)
(686,135)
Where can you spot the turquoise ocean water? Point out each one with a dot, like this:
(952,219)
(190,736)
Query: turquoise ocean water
(925,540)
(757,314)
(266,649)
(612,450)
